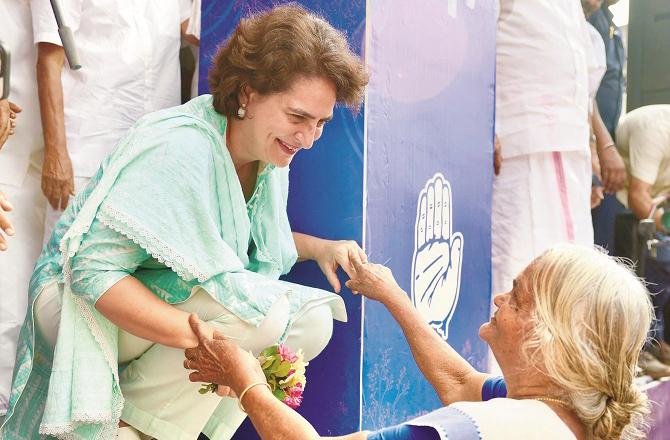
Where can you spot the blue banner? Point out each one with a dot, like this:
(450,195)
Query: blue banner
(326,200)
(428,188)
(417,185)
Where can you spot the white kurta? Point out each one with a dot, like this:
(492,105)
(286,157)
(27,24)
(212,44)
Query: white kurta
(129,52)
(541,197)
(21,184)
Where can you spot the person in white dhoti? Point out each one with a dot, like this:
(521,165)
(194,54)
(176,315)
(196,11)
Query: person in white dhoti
(542,193)
(20,186)
(130,57)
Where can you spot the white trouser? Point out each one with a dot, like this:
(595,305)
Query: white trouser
(52,215)
(539,200)
(159,399)
(16,267)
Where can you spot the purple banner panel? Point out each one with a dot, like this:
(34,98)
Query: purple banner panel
(428,187)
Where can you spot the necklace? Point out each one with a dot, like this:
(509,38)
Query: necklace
(553,400)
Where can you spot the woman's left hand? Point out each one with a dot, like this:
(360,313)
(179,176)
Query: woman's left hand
(334,254)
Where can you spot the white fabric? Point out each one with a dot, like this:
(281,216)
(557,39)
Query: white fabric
(503,419)
(194,29)
(542,56)
(643,139)
(155,384)
(52,215)
(530,212)
(598,67)
(16,267)
(129,52)
(21,184)
(16,33)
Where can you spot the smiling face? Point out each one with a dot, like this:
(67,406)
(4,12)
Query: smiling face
(277,126)
(512,321)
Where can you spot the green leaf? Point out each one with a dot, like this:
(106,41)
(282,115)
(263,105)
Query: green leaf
(283,369)
(272,369)
(270,351)
(209,388)
(279,394)
(268,361)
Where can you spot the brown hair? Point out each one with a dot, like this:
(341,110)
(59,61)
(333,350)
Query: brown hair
(270,50)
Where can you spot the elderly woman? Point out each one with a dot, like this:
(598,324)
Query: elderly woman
(567,337)
(188,215)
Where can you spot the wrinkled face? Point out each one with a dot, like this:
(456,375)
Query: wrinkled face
(511,322)
(282,124)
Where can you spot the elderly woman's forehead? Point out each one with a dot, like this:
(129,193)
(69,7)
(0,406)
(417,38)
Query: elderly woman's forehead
(522,285)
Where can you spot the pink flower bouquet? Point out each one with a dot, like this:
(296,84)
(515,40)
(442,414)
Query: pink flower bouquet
(284,371)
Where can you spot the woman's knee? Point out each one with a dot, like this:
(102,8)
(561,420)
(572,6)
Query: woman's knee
(312,331)
(256,338)
(46,309)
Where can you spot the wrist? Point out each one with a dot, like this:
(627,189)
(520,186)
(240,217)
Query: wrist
(252,393)
(315,247)
(396,298)
(606,146)
(56,149)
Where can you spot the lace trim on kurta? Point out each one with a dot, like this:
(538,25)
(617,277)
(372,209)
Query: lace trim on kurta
(157,248)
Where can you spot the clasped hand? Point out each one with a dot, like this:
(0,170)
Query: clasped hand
(341,253)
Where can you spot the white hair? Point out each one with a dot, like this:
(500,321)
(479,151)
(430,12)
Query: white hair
(591,319)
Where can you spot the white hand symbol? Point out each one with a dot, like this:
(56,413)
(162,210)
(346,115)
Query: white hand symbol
(436,269)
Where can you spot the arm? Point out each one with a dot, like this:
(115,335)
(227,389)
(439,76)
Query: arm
(102,274)
(328,254)
(641,202)
(134,308)
(264,410)
(190,38)
(218,360)
(452,377)
(597,194)
(612,168)
(57,174)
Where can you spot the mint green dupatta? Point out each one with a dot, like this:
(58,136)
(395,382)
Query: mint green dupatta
(172,188)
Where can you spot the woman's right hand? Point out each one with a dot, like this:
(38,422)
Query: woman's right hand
(373,281)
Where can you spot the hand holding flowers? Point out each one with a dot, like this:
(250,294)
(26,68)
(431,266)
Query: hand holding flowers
(224,365)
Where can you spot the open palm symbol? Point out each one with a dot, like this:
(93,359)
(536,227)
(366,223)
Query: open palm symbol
(436,268)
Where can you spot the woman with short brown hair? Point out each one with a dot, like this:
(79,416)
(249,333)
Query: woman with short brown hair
(188,215)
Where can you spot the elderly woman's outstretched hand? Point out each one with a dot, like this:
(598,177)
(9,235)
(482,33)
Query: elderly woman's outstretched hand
(336,254)
(221,361)
(374,281)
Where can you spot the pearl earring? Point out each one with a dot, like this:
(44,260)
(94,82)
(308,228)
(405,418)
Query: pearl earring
(242,112)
